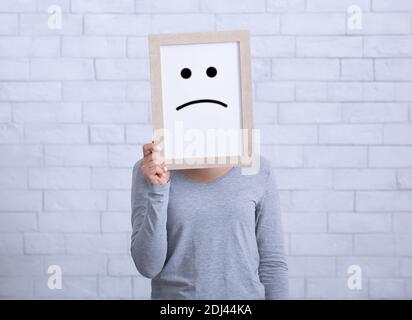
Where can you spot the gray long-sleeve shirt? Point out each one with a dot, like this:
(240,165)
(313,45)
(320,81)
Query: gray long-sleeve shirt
(216,240)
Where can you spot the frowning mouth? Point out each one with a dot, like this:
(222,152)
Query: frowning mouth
(201,101)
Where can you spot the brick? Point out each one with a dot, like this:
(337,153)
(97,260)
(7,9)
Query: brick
(11,244)
(116,222)
(11,178)
(232,6)
(8,24)
(93,47)
(305,69)
(61,69)
(115,112)
(78,265)
(288,134)
(118,201)
(314,201)
(397,134)
(350,134)
(404,245)
(116,24)
(275,91)
(102,6)
(371,266)
(56,134)
(261,69)
(383,24)
(156,6)
(386,288)
(111,179)
(14,69)
(272,46)
(81,155)
(173,23)
(402,91)
(16,287)
(402,222)
(18,265)
(94,91)
(311,91)
(138,91)
(390,156)
(107,134)
(335,5)
(404,178)
(378,91)
(303,179)
(333,47)
(393,69)
(72,287)
(255,23)
(36,25)
(121,69)
(137,47)
(74,200)
(296,288)
(47,112)
(20,156)
(11,134)
(364,179)
(335,156)
(17,222)
(59,178)
(393,5)
(5,112)
(388,46)
(301,223)
(44,243)
(115,288)
(24,200)
(344,91)
(321,244)
(334,288)
(30,91)
(124,155)
(357,69)
(121,265)
(286,156)
(309,112)
(359,222)
(311,266)
(72,222)
(264,112)
(384,201)
(43,5)
(374,112)
(313,23)
(18,6)
(141,287)
(285,5)
(95,244)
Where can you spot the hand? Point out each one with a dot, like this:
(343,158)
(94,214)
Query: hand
(152,166)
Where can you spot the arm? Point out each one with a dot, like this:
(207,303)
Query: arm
(149,217)
(273,269)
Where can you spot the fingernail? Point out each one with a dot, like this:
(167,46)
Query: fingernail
(165,168)
(157,148)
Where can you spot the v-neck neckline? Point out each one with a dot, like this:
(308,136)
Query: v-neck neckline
(212,182)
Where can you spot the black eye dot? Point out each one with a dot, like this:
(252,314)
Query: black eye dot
(185,73)
(211,72)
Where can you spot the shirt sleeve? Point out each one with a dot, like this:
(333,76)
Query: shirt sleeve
(149,216)
(273,269)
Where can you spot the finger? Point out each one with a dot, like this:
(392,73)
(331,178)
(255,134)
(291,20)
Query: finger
(149,148)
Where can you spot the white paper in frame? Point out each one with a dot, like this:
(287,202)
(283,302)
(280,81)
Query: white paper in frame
(201,93)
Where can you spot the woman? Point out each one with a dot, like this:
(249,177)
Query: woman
(207,233)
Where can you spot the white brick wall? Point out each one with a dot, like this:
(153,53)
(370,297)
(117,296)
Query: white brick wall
(334,106)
